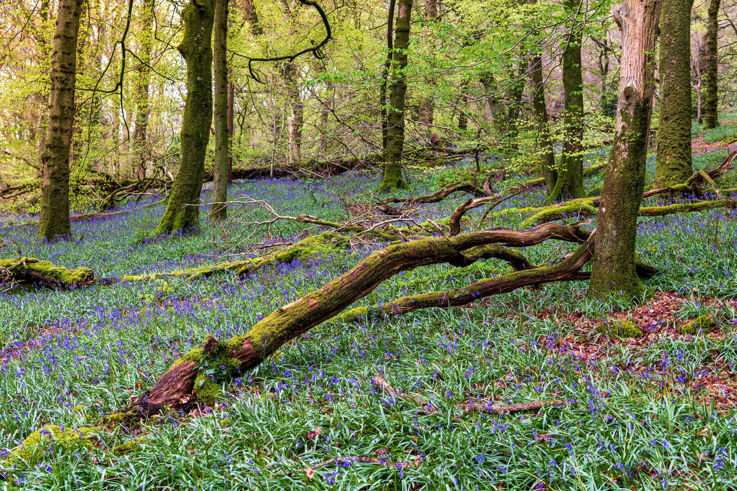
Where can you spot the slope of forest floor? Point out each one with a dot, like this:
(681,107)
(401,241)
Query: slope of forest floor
(648,412)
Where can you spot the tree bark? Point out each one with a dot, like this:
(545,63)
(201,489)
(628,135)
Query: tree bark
(547,154)
(144,79)
(182,211)
(673,161)
(231,128)
(392,178)
(296,117)
(570,175)
(711,68)
(54,221)
(385,73)
(613,271)
(218,210)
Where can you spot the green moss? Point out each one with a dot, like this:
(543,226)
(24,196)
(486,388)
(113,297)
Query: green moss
(129,446)
(622,329)
(576,206)
(68,277)
(703,323)
(214,367)
(48,440)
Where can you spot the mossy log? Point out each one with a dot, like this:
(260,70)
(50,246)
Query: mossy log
(190,378)
(304,249)
(31,271)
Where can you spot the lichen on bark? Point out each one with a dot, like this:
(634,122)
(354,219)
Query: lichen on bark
(673,158)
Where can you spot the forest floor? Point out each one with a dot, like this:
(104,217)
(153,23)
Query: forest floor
(657,411)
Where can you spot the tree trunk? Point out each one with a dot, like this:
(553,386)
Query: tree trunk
(613,271)
(426,113)
(54,221)
(222,140)
(182,211)
(462,107)
(231,129)
(570,175)
(385,74)
(296,117)
(547,154)
(673,163)
(392,178)
(42,97)
(187,380)
(144,79)
(711,68)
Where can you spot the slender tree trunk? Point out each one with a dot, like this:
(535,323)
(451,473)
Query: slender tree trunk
(54,220)
(462,107)
(140,147)
(231,129)
(385,74)
(426,114)
(42,97)
(182,212)
(613,271)
(570,175)
(673,163)
(711,69)
(222,140)
(296,117)
(392,178)
(547,154)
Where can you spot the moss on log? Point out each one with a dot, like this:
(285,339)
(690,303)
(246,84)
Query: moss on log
(47,440)
(32,271)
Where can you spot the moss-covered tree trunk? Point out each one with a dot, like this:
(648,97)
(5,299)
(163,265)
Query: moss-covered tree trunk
(221,169)
(545,143)
(392,175)
(54,221)
(711,67)
(673,162)
(189,379)
(569,182)
(182,212)
(613,271)
(142,86)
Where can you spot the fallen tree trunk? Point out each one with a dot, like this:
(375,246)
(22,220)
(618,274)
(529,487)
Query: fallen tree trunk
(186,380)
(29,271)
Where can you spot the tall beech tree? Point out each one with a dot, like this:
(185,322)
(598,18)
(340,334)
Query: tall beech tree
(673,158)
(711,66)
(613,271)
(392,172)
(54,221)
(569,182)
(182,212)
(221,168)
